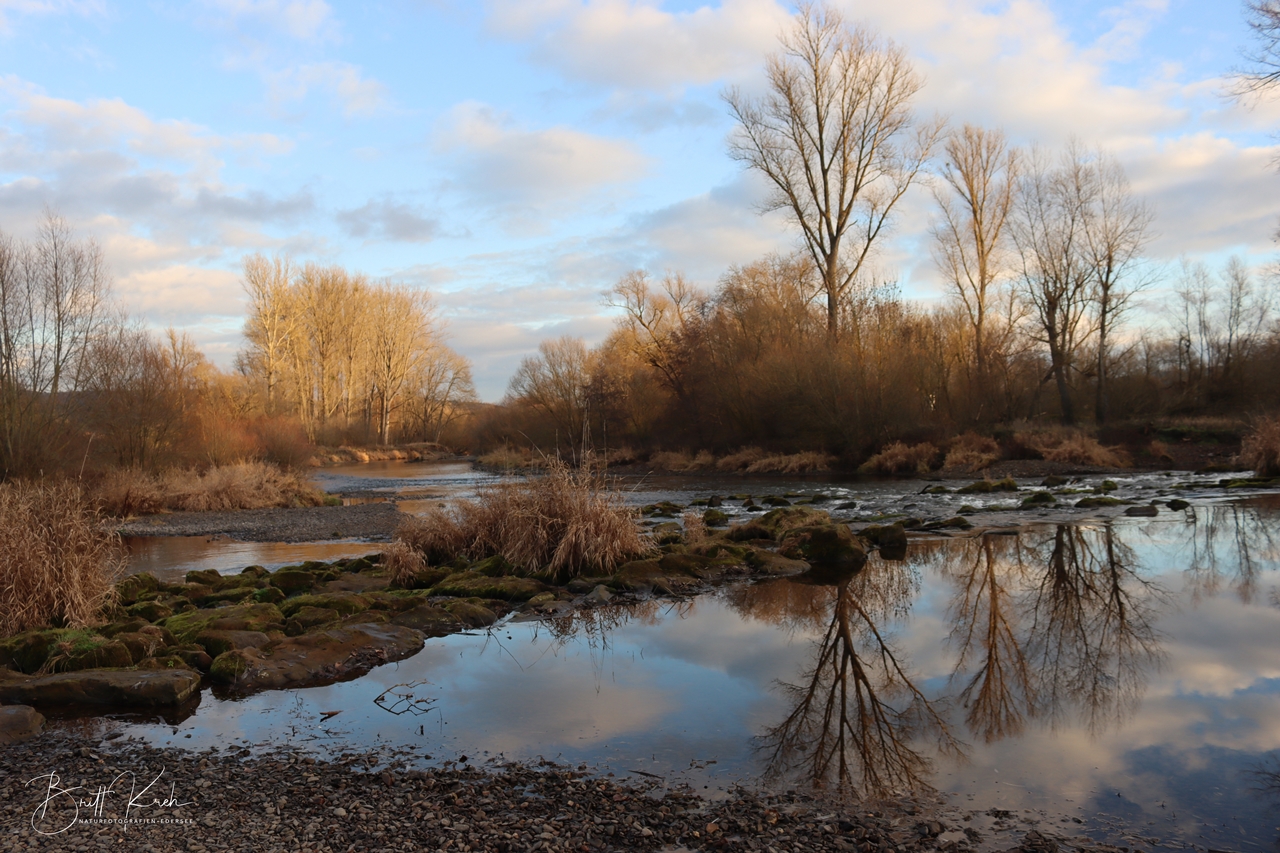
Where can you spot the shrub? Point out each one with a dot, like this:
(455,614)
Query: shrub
(60,563)
(741,460)
(679,462)
(795,463)
(1260,449)
(246,485)
(695,529)
(509,458)
(564,524)
(899,458)
(1073,447)
(972,452)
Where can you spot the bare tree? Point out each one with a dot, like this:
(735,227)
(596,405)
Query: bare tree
(441,390)
(1117,227)
(400,340)
(271,320)
(836,138)
(659,322)
(557,382)
(969,237)
(1264,20)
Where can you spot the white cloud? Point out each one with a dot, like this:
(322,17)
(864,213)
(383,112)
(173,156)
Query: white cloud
(637,44)
(304,20)
(357,95)
(10,8)
(526,175)
(387,219)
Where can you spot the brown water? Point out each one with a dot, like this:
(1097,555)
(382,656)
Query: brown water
(1113,674)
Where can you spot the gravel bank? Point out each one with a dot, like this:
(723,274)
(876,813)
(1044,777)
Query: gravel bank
(290,802)
(375,521)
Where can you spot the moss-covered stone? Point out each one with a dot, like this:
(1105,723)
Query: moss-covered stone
(424,578)
(232,595)
(268,595)
(430,620)
(216,642)
(471,614)
(1053,481)
(984,487)
(775,501)
(1038,499)
(662,509)
(92,655)
(141,646)
(1142,511)
(668,532)
(307,618)
(766,562)
(1108,486)
(127,625)
(345,603)
(239,617)
(229,666)
(120,688)
(473,584)
(494,567)
(715,518)
(132,588)
(151,611)
(891,539)
(204,577)
(956,522)
(823,544)
(290,581)
(1098,501)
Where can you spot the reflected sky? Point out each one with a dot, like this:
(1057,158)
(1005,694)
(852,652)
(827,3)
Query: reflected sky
(1127,670)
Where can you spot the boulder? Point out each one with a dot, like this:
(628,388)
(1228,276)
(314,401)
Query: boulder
(216,642)
(470,614)
(1142,511)
(132,588)
(240,617)
(204,577)
(768,563)
(715,518)
(471,584)
(321,657)
(599,595)
(310,617)
(141,646)
(92,655)
(1178,504)
(984,487)
(1038,499)
(829,545)
(1095,502)
(346,603)
(290,581)
(19,723)
(891,539)
(431,621)
(124,687)
(152,611)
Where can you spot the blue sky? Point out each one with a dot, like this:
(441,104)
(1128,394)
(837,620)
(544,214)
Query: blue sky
(516,157)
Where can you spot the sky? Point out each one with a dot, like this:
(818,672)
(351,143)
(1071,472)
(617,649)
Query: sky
(516,157)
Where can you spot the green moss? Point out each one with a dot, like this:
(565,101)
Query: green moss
(1037,499)
(241,617)
(473,584)
(345,603)
(983,487)
(134,587)
(1094,503)
(715,518)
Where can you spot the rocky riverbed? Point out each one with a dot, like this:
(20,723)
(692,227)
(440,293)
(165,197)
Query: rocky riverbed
(82,790)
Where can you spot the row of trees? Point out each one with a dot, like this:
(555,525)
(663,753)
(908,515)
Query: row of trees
(351,358)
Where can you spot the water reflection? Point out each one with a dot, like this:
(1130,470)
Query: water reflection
(1229,544)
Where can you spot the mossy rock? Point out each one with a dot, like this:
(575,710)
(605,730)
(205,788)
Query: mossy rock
(823,544)
(1177,504)
(1053,481)
(430,620)
(1142,511)
(820,498)
(768,563)
(891,539)
(141,646)
(290,581)
(132,588)
(692,565)
(217,642)
(715,501)
(124,626)
(748,532)
(494,567)
(774,500)
(935,490)
(637,574)
(229,666)
(1108,486)
(956,522)
(471,614)
(28,651)
(358,564)
(255,571)
(239,617)
(777,521)
(165,662)
(151,611)
(310,617)
(475,585)
(1095,502)
(662,509)
(715,518)
(233,595)
(345,603)
(1037,499)
(110,654)
(268,595)
(424,578)
(985,487)
(204,577)
(194,656)
(668,532)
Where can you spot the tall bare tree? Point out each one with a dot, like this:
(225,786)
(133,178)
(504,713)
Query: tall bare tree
(557,382)
(836,138)
(981,171)
(1264,20)
(400,330)
(270,322)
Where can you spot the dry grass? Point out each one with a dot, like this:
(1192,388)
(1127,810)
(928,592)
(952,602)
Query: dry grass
(563,524)
(1159,450)
(695,529)
(971,452)
(900,458)
(678,462)
(512,459)
(1260,449)
(740,461)
(246,485)
(403,562)
(60,564)
(794,463)
(1073,447)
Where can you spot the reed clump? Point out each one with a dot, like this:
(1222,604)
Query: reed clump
(563,524)
(971,452)
(793,463)
(244,485)
(1072,447)
(902,458)
(679,462)
(60,564)
(1260,449)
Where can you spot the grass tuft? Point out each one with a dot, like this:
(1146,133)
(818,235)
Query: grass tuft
(60,563)
(1073,447)
(1260,449)
(245,485)
(900,458)
(564,524)
(971,452)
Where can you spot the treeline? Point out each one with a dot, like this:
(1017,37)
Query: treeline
(354,361)
(1043,256)
(329,356)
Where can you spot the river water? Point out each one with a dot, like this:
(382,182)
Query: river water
(1108,673)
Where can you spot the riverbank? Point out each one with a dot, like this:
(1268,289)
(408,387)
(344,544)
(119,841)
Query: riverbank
(272,799)
(372,521)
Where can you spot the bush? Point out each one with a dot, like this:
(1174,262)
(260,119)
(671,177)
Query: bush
(795,463)
(678,462)
(899,458)
(246,485)
(565,523)
(1073,447)
(1260,449)
(972,452)
(741,460)
(60,563)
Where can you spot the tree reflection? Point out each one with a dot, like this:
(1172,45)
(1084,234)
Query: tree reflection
(857,715)
(1230,544)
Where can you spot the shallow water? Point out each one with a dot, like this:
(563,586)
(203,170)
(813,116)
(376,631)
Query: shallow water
(169,558)
(1127,671)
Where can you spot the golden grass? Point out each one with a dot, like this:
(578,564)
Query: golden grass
(695,529)
(510,458)
(794,463)
(740,461)
(60,564)
(562,524)
(678,462)
(971,452)
(1159,450)
(900,458)
(1260,449)
(1073,447)
(403,562)
(245,485)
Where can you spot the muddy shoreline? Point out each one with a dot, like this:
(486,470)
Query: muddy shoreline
(270,798)
(375,522)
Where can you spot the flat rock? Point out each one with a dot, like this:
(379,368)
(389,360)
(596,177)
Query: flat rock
(321,657)
(127,687)
(216,642)
(19,723)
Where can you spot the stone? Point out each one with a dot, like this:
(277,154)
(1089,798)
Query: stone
(240,617)
(1177,504)
(470,614)
(290,581)
(346,603)
(310,617)
(124,687)
(93,655)
(1142,511)
(216,642)
(827,545)
(715,518)
(204,577)
(1038,499)
(430,620)
(983,487)
(768,563)
(322,657)
(599,595)
(141,646)
(19,723)
(474,584)
(152,611)
(1099,501)
(133,587)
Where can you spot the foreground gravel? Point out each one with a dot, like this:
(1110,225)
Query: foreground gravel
(376,521)
(292,802)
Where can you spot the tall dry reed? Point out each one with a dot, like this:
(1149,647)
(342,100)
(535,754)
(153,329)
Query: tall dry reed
(900,458)
(564,524)
(1260,449)
(60,565)
(971,452)
(245,485)
(1073,447)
